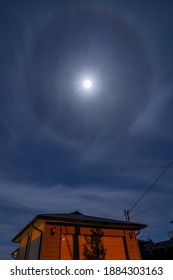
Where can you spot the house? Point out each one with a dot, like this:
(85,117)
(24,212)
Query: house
(144,247)
(72,236)
(162,250)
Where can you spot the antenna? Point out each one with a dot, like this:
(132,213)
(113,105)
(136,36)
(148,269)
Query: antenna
(127,212)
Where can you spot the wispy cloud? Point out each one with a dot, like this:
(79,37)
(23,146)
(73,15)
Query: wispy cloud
(66,198)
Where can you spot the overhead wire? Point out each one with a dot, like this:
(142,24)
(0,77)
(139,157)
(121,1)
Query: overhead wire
(141,197)
(146,210)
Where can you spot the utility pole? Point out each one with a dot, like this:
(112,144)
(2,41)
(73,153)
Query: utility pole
(126,213)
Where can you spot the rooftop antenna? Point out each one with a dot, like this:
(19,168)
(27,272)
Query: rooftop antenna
(127,212)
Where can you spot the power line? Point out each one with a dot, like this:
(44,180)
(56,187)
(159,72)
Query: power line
(146,210)
(150,187)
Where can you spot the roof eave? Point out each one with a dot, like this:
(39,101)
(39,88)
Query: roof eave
(111,224)
(16,238)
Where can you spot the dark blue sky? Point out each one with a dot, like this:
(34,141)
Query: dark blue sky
(63,148)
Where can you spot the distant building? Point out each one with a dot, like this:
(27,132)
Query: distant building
(145,249)
(162,250)
(64,237)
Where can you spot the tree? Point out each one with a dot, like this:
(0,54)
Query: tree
(93,249)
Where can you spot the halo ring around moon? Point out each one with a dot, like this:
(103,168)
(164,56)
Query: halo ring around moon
(119,54)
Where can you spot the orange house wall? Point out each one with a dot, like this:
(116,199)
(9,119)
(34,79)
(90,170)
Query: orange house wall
(22,248)
(35,238)
(60,245)
(51,244)
(132,246)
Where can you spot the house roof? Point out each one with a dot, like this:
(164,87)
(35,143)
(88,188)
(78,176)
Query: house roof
(81,219)
(77,216)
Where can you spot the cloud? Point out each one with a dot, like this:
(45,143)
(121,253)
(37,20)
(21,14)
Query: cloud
(61,198)
(93,199)
(61,151)
(51,92)
(6,232)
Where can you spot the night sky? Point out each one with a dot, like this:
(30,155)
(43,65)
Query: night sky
(64,147)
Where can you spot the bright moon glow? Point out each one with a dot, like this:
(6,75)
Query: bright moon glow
(87,84)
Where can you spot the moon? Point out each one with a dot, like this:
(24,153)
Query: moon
(87,84)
